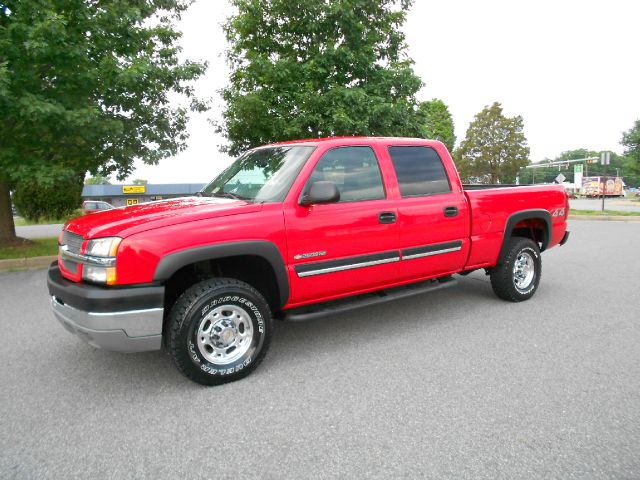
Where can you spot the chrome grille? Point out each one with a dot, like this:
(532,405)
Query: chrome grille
(73,241)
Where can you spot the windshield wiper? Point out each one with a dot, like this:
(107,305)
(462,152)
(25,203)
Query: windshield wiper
(235,196)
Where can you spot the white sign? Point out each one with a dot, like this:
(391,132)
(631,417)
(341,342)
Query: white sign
(560,178)
(605,158)
(577,176)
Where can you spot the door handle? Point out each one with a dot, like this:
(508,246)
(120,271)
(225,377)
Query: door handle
(387,217)
(451,211)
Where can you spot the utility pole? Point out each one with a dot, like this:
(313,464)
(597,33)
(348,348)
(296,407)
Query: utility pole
(605,159)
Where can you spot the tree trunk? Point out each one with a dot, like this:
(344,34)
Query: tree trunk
(7,227)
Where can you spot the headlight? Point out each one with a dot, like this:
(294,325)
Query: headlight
(106,275)
(103,247)
(99,260)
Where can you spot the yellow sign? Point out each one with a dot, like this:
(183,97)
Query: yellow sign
(128,189)
(132,201)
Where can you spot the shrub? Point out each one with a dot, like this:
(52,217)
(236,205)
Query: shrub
(57,198)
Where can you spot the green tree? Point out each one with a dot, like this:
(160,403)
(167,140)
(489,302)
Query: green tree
(576,154)
(140,181)
(495,148)
(631,143)
(97,179)
(317,68)
(84,86)
(438,122)
(53,197)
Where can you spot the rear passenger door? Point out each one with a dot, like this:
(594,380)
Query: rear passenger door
(433,217)
(345,247)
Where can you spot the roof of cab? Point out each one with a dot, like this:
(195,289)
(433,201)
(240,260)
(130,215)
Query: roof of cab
(355,140)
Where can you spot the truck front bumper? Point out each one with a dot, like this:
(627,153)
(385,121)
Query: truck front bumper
(117,319)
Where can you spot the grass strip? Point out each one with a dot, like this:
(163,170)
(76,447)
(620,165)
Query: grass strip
(38,247)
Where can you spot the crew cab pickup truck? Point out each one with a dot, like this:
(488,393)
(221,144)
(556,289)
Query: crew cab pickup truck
(293,230)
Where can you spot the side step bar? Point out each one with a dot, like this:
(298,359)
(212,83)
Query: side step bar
(334,307)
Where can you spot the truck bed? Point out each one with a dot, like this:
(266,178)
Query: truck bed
(493,205)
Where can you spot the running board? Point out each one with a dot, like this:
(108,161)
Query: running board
(312,312)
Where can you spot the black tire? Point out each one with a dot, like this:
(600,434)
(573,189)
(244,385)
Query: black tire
(505,282)
(195,352)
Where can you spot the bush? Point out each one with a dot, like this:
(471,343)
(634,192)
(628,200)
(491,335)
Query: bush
(58,199)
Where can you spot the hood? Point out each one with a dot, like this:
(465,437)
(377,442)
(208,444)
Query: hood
(126,221)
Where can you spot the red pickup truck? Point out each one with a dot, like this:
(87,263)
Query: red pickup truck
(293,230)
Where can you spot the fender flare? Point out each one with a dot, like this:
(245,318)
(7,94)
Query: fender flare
(173,262)
(535,214)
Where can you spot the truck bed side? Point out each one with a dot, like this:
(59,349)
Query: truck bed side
(530,208)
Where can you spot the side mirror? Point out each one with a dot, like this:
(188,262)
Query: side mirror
(321,192)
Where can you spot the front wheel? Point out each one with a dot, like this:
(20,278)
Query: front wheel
(219,331)
(517,275)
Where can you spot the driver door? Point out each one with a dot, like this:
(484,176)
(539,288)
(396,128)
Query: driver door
(345,247)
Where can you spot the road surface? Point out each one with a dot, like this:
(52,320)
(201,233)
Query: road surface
(454,384)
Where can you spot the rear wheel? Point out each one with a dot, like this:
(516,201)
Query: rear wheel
(219,331)
(517,275)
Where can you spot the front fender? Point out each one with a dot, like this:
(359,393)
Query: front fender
(173,262)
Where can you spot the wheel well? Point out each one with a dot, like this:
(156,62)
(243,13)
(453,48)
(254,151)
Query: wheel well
(533,228)
(252,269)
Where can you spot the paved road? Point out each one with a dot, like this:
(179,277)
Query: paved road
(618,204)
(457,384)
(39,231)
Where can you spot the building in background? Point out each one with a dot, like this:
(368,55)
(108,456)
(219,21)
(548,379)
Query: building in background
(123,195)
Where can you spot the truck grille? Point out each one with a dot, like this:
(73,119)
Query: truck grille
(72,240)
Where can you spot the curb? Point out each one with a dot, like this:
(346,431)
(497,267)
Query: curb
(26,263)
(617,218)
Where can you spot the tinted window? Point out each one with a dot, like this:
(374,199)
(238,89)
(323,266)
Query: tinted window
(355,172)
(419,171)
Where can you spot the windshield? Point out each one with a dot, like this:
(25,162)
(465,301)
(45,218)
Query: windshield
(263,175)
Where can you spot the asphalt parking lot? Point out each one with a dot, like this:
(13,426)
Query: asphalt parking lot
(454,384)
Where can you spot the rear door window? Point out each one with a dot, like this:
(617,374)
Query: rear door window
(419,171)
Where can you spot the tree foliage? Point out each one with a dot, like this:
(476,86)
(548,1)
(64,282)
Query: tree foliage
(48,198)
(97,179)
(631,143)
(317,68)
(494,148)
(438,122)
(84,86)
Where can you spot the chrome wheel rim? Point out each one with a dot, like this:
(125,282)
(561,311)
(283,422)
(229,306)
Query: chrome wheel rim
(225,334)
(523,271)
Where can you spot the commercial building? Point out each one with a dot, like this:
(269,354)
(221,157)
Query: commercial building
(121,195)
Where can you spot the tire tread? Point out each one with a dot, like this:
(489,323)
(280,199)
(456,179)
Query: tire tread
(179,312)
(501,275)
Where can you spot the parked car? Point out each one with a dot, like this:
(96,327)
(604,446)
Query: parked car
(93,206)
(295,231)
